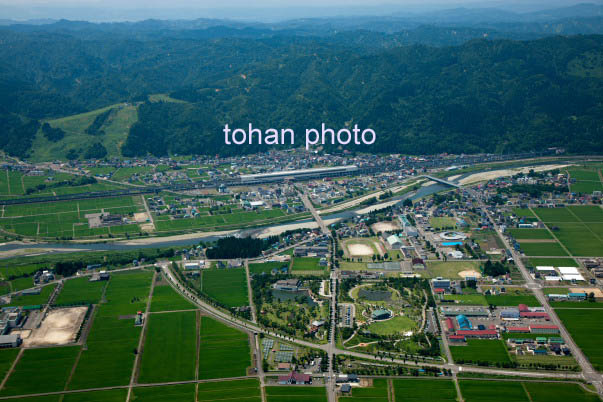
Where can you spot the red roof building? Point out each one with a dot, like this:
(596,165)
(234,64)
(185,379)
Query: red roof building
(450,324)
(456,338)
(523,307)
(295,378)
(534,314)
(481,333)
(519,329)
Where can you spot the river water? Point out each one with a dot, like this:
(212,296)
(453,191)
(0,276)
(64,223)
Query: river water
(309,223)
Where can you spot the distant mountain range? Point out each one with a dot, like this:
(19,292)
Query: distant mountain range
(499,86)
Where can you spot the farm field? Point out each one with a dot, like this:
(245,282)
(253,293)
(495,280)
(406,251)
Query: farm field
(66,219)
(50,367)
(306,264)
(113,337)
(424,390)
(554,262)
(220,343)
(80,291)
(296,394)
(114,395)
(512,300)
(528,391)
(377,393)
(481,350)
(227,286)
(167,299)
(552,249)
(29,300)
(579,228)
(246,390)
(170,347)
(172,393)
(530,234)
(7,357)
(492,391)
(540,392)
(586,328)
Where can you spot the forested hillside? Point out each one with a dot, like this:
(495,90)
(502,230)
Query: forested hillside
(483,95)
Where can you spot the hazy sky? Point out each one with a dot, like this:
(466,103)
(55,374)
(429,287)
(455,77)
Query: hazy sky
(112,10)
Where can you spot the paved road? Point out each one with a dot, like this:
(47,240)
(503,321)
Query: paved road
(588,371)
(330,380)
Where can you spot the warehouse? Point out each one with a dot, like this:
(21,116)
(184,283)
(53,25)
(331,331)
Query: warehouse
(10,341)
(483,333)
(510,314)
(544,329)
(302,174)
(463,322)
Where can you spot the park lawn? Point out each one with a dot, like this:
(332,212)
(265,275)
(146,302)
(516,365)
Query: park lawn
(245,390)
(552,249)
(530,234)
(167,299)
(492,391)
(553,262)
(296,394)
(427,390)
(481,350)
(586,328)
(48,367)
(449,269)
(267,267)
(442,222)
(558,392)
(394,325)
(80,291)
(377,393)
(113,339)
(33,300)
(306,264)
(171,393)
(475,299)
(513,300)
(219,344)
(227,286)
(113,395)
(170,348)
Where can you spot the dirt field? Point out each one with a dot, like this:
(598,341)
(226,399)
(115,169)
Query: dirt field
(598,293)
(60,327)
(385,227)
(495,174)
(358,249)
(464,274)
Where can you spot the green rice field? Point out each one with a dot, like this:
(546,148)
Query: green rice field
(167,299)
(219,344)
(80,291)
(424,390)
(586,328)
(377,393)
(29,300)
(552,249)
(170,347)
(528,391)
(481,350)
(50,367)
(172,393)
(529,234)
(113,338)
(267,267)
(227,286)
(296,394)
